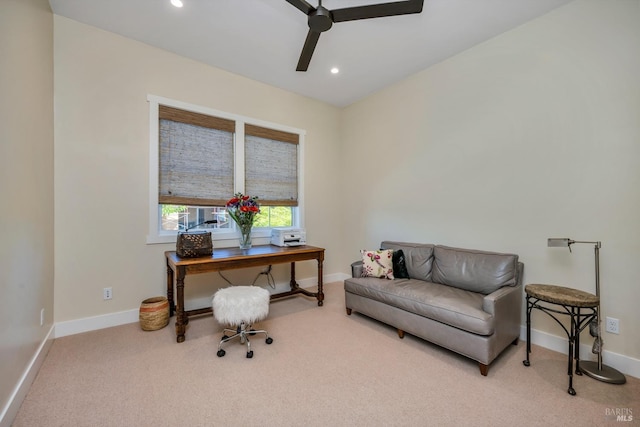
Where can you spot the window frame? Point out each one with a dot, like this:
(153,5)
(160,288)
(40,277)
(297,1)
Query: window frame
(224,236)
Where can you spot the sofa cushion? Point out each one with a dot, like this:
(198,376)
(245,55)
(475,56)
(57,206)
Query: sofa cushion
(377,263)
(449,305)
(472,270)
(418,258)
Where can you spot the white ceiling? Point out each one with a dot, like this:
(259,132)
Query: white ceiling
(262,39)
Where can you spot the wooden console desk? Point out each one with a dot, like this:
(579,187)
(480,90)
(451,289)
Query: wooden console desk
(230,259)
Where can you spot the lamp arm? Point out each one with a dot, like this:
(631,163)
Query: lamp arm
(568,242)
(598,244)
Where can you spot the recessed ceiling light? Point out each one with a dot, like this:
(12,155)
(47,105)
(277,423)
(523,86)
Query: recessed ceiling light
(177,3)
(335,70)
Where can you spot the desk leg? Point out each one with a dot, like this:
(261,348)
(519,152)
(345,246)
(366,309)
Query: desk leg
(172,304)
(529,307)
(292,280)
(296,289)
(181,318)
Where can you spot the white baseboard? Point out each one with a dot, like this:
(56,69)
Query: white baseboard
(87,324)
(625,364)
(21,389)
(330,278)
(78,326)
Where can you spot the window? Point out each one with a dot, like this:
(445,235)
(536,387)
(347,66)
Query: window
(200,157)
(271,167)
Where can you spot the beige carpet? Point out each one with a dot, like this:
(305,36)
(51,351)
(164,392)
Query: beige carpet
(324,369)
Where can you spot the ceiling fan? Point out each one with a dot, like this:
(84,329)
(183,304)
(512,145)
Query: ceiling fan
(320,19)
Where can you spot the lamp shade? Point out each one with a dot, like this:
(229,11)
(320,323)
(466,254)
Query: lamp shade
(559,242)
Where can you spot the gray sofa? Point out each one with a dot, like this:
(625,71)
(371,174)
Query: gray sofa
(468,301)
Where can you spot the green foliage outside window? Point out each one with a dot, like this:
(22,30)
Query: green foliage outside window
(269,216)
(171,209)
(274,216)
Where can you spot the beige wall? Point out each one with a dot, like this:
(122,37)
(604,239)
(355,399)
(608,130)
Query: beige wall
(531,135)
(102,153)
(26,186)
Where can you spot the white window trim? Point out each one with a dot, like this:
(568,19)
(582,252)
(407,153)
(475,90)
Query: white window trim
(262,234)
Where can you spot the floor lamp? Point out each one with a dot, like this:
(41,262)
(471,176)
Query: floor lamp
(592,369)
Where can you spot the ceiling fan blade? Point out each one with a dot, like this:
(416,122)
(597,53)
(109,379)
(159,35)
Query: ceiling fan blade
(377,10)
(307,50)
(304,7)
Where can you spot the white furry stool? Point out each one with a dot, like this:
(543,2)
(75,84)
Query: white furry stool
(240,307)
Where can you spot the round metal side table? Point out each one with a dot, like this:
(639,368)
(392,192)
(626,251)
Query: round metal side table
(570,302)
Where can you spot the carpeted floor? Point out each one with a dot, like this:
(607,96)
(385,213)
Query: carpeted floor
(324,368)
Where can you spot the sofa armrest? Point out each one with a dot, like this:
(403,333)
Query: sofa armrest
(356,269)
(505,297)
(505,305)
(495,301)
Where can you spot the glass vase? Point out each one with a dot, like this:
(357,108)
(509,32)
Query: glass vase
(245,237)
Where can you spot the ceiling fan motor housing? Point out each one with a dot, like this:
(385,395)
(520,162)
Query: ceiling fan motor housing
(320,20)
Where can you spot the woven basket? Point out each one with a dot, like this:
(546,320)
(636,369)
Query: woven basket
(154,313)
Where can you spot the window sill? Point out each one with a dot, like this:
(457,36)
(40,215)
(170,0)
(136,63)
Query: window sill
(221,239)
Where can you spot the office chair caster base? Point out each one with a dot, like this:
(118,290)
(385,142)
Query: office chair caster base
(221,353)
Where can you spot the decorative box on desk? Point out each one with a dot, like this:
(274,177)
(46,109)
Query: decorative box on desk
(193,244)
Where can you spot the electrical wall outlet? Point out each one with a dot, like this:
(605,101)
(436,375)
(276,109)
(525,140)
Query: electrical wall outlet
(107,293)
(612,325)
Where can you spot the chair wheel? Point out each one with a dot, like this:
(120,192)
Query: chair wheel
(269,340)
(221,353)
(224,337)
(252,332)
(250,354)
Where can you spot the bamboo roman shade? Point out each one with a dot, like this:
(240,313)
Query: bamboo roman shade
(271,165)
(196,158)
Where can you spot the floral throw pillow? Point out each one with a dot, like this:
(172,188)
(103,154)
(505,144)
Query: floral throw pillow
(377,263)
